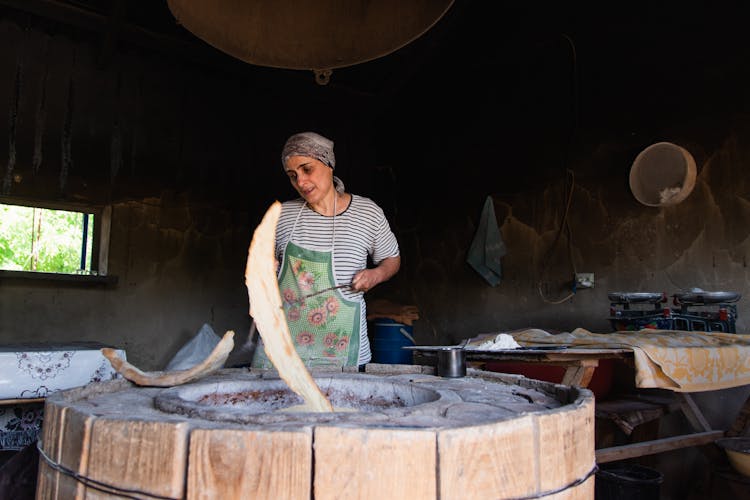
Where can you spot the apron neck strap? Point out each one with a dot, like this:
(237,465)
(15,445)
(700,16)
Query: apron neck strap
(333,221)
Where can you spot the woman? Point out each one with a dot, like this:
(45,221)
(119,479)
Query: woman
(323,240)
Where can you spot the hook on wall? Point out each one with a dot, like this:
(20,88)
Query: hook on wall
(322,76)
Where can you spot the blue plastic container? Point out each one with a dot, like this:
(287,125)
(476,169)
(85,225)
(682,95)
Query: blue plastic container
(390,336)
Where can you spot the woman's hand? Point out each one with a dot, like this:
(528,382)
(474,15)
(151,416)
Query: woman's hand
(366,279)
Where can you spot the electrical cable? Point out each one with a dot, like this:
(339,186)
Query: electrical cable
(564,223)
(573,484)
(132,494)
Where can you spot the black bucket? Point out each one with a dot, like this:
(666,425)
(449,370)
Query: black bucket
(627,482)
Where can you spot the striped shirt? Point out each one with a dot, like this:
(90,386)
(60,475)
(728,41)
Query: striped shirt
(360,231)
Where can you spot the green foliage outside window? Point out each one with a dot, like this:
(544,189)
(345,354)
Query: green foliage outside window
(38,239)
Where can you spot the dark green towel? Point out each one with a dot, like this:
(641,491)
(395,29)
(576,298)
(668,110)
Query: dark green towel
(488,246)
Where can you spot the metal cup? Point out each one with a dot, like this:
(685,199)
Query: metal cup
(451,362)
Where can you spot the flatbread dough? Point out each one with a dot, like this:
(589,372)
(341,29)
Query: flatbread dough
(267,310)
(213,362)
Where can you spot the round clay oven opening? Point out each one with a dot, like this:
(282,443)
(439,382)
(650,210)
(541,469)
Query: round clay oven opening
(663,174)
(266,400)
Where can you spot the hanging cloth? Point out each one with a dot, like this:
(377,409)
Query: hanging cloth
(488,247)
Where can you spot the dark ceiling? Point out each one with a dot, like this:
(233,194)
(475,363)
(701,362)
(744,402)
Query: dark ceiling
(627,41)
(626,44)
(526,63)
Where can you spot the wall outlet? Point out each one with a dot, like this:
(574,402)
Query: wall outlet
(584,280)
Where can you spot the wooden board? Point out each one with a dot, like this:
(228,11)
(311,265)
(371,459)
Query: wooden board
(48,479)
(655,446)
(150,456)
(65,440)
(375,463)
(534,455)
(566,446)
(490,461)
(250,464)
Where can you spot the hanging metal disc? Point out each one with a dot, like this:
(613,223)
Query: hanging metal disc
(308,34)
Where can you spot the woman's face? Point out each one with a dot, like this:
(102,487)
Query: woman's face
(311,178)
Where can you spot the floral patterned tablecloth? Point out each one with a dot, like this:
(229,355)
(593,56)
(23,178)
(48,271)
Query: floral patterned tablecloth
(33,371)
(20,425)
(682,361)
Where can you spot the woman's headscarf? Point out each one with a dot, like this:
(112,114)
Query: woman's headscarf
(315,146)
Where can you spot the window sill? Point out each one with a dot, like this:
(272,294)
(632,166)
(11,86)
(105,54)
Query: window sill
(84,279)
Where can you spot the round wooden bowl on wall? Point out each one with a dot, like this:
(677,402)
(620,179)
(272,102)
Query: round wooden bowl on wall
(662,175)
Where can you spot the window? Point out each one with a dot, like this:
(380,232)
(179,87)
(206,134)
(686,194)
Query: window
(53,239)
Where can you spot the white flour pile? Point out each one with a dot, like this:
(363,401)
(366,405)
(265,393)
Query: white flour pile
(501,342)
(666,194)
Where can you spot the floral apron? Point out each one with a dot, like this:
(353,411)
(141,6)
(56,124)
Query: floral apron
(324,327)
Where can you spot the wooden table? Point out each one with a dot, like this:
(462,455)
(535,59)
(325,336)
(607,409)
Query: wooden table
(580,365)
